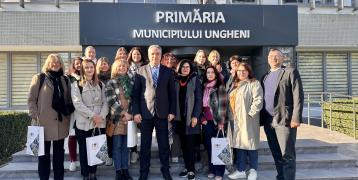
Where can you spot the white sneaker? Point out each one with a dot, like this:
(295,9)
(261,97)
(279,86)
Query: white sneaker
(109,162)
(252,174)
(175,159)
(237,174)
(134,157)
(72,166)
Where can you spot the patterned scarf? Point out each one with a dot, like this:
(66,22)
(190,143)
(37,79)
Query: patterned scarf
(127,85)
(208,87)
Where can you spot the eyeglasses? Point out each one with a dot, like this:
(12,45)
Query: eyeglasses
(185,67)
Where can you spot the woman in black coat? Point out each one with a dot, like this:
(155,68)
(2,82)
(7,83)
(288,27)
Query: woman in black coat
(189,105)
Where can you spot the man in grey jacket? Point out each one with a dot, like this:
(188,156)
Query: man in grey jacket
(282,113)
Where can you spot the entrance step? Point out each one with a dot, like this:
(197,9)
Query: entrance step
(306,146)
(301,174)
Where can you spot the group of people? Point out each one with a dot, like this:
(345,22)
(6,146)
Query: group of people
(187,102)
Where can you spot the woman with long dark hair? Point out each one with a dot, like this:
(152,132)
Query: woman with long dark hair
(214,114)
(189,105)
(74,74)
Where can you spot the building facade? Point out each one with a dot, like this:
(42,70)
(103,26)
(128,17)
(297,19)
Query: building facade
(326,54)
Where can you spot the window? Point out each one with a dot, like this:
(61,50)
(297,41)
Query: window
(311,70)
(23,67)
(337,75)
(3,80)
(354,74)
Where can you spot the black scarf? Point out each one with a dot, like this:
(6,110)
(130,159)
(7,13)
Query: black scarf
(104,76)
(58,99)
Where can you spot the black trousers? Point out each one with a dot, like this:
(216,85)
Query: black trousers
(282,140)
(161,127)
(188,145)
(44,165)
(81,139)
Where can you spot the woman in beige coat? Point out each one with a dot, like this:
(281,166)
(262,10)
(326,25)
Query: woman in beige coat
(88,96)
(245,100)
(48,95)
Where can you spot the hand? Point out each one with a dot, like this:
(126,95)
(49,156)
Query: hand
(221,126)
(204,122)
(295,124)
(97,119)
(138,118)
(170,117)
(128,116)
(194,121)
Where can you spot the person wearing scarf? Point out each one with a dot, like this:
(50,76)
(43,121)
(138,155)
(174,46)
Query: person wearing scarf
(118,93)
(103,70)
(200,62)
(214,115)
(189,105)
(48,108)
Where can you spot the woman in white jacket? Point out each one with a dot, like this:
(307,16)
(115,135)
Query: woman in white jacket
(88,97)
(245,100)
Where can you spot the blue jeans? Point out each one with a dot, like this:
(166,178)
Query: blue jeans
(210,130)
(120,152)
(241,159)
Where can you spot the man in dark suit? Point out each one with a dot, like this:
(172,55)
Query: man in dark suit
(282,113)
(153,106)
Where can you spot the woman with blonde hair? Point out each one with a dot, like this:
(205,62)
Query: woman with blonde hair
(200,62)
(103,70)
(48,102)
(215,60)
(90,53)
(245,101)
(88,96)
(118,93)
(121,54)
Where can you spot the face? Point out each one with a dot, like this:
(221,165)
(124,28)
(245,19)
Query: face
(89,70)
(242,73)
(214,59)
(234,64)
(77,65)
(122,55)
(55,65)
(104,66)
(185,70)
(275,59)
(201,58)
(172,62)
(154,56)
(122,69)
(91,53)
(210,74)
(136,56)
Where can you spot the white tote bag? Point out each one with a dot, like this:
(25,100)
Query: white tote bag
(221,153)
(97,151)
(132,139)
(35,144)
